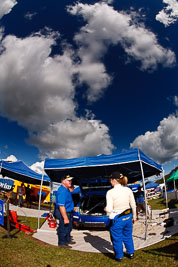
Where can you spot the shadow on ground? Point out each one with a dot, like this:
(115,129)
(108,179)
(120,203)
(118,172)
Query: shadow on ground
(97,242)
(166,251)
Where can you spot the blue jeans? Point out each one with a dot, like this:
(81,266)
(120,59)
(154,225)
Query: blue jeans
(121,232)
(64,230)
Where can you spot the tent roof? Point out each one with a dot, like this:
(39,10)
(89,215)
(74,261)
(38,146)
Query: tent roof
(102,166)
(19,171)
(151,185)
(173,177)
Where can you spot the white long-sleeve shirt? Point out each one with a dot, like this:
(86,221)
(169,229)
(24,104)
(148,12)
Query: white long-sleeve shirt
(119,199)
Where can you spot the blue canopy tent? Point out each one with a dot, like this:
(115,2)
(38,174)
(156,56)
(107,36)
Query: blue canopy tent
(132,163)
(21,172)
(150,185)
(103,165)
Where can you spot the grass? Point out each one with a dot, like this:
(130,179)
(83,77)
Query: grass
(31,221)
(158,204)
(25,251)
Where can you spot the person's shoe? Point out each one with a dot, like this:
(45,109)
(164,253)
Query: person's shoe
(72,243)
(119,259)
(64,246)
(131,256)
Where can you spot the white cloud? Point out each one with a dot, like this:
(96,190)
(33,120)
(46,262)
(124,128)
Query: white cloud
(38,92)
(105,27)
(108,1)
(162,144)
(176,101)
(95,76)
(35,89)
(6,6)
(11,158)
(38,167)
(76,138)
(29,15)
(169,14)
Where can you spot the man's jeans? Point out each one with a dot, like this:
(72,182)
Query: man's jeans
(64,230)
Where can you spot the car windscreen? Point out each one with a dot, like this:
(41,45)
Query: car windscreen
(93,203)
(95,185)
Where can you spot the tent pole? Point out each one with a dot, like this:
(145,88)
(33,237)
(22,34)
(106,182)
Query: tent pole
(144,188)
(40,200)
(175,189)
(51,188)
(165,189)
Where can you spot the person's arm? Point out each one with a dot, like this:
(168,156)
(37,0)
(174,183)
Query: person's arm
(109,203)
(64,214)
(133,206)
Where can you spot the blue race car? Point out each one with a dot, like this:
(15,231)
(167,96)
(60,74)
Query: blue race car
(89,211)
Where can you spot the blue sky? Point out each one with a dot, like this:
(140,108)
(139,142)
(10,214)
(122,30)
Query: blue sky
(88,77)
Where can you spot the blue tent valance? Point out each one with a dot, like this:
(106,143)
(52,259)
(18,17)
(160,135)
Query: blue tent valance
(102,166)
(19,171)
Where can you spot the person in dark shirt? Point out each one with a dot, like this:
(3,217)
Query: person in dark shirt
(28,196)
(21,193)
(140,201)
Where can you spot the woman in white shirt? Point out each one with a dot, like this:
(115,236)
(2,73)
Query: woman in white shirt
(121,208)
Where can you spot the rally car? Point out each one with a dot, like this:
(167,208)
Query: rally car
(89,211)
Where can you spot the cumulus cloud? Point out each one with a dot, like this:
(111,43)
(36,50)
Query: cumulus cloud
(6,6)
(169,14)
(105,27)
(176,100)
(11,158)
(76,138)
(37,91)
(38,167)
(108,1)
(162,144)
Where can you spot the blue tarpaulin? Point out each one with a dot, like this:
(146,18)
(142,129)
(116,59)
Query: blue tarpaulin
(102,166)
(151,185)
(20,171)
(134,187)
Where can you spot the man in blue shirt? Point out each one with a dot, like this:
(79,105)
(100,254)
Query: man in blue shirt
(140,201)
(64,211)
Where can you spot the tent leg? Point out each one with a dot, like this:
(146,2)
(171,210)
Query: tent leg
(8,221)
(175,190)
(40,201)
(165,189)
(51,188)
(146,207)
